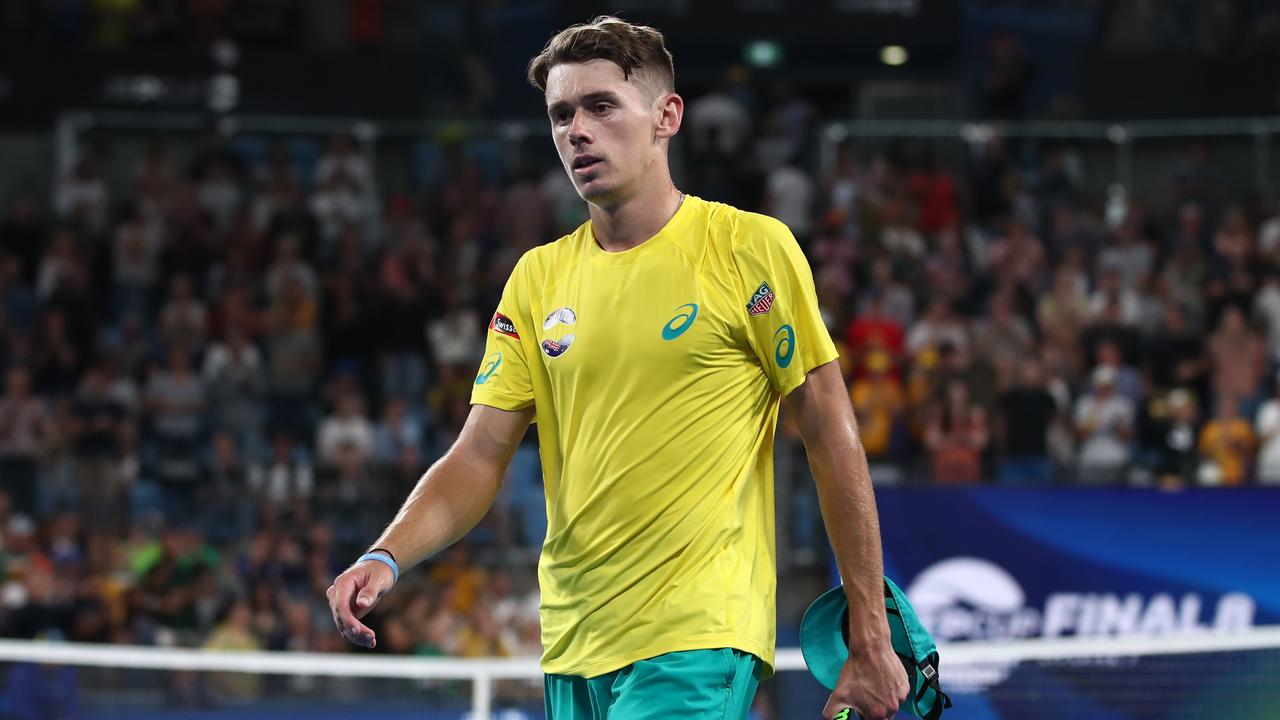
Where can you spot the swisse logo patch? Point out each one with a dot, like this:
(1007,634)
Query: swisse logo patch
(502,325)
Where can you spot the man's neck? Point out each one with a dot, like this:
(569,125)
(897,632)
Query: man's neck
(630,223)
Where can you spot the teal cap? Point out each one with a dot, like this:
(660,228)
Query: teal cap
(824,642)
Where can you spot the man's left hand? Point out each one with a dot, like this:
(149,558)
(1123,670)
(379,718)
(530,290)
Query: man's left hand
(873,683)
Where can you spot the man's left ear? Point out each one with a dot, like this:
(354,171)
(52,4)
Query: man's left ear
(671,109)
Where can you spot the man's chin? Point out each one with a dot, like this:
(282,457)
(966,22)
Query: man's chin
(596,193)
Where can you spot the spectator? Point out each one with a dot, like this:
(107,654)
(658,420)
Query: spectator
(342,159)
(878,399)
(55,360)
(396,432)
(939,326)
(1019,256)
(25,429)
(1266,308)
(1268,435)
(947,270)
(1269,236)
(235,381)
(81,196)
(956,362)
(175,402)
(790,197)
(155,177)
(223,496)
(183,320)
(347,430)
(899,303)
(956,437)
(1008,80)
(932,189)
(1238,358)
(58,264)
(1104,421)
(136,255)
(218,194)
(1233,244)
(1027,412)
(235,632)
(1177,432)
(335,205)
(1114,302)
(290,267)
(99,428)
(718,123)
(403,306)
(456,335)
(1128,382)
(293,349)
(285,478)
(1176,357)
(1227,444)
(21,236)
(1004,338)
(1129,255)
(874,331)
(1065,308)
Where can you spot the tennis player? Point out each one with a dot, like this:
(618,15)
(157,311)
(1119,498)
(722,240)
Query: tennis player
(652,347)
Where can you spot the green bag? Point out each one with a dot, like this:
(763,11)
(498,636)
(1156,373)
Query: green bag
(824,642)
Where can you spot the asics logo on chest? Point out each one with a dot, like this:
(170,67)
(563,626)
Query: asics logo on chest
(676,326)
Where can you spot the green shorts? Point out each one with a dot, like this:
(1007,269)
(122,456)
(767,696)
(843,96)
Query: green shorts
(693,684)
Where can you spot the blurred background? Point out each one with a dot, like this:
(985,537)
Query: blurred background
(248,250)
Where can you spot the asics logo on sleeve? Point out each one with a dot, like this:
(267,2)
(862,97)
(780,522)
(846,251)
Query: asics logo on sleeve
(490,367)
(676,326)
(784,347)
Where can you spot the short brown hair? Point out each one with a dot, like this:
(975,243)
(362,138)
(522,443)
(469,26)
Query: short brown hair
(634,48)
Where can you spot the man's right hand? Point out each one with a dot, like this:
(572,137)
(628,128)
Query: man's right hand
(353,594)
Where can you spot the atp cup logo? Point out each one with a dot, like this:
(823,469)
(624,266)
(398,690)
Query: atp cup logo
(555,347)
(969,598)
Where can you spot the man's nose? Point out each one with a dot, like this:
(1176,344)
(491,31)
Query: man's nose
(578,131)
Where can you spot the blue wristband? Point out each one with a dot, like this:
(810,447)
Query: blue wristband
(381,557)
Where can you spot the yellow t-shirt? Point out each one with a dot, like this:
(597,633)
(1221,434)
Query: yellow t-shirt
(655,374)
(1230,445)
(878,402)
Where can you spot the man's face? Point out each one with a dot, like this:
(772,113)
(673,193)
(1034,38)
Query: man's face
(604,126)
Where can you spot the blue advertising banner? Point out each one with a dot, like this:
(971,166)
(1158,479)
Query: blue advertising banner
(1001,564)
(995,563)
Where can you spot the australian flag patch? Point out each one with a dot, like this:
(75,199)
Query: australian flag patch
(761,300)
(502,325)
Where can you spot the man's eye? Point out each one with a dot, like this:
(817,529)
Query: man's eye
(602,107)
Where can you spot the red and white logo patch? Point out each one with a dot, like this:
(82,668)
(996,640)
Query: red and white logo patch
(761,300)
(502,325)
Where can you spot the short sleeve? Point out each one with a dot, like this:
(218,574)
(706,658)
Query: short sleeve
(504,380)
(784,325)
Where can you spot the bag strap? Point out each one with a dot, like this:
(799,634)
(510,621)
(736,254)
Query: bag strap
(930,673)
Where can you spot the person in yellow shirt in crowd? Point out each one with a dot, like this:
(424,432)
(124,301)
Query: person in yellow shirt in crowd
(879,401)
(1227,445)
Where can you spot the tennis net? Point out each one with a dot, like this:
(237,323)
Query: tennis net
(1222,676)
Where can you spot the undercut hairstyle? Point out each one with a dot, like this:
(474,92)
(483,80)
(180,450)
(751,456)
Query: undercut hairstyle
(638,49)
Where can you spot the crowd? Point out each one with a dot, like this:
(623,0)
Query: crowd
(222,375)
